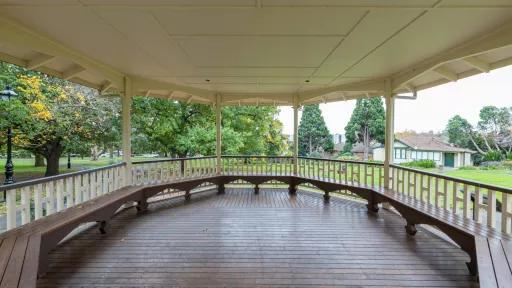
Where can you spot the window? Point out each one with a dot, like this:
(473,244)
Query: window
(413,154)
(430,155)
(437,156)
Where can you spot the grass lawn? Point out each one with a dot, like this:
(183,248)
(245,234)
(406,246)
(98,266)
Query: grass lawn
(499,177)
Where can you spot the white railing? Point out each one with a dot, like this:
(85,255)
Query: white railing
(30,200)
(478,201)
(158,171)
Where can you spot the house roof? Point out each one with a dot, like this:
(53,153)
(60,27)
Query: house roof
(430,142)
(359,148)
(271,52)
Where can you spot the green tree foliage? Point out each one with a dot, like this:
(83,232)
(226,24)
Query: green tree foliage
(491,136)
(51,115)
(313,135)
(366,125)
(178,129)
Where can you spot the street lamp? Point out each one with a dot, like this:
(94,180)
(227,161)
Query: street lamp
(9,167)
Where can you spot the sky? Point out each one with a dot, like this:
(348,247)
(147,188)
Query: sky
(433,107)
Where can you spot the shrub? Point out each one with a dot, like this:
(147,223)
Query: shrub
(493,155)
(421,164)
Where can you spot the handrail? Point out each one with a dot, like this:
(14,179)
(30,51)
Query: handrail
(455,179)
(345,161)
(57,177)
(172,159)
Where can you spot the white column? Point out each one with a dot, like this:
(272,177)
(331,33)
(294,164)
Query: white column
(218,124)
(390,131)
(126,103)
(295,134)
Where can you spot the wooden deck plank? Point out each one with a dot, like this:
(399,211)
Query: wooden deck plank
(12,272)
(268,240)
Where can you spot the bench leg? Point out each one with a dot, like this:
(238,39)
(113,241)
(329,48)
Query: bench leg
(292,189)
(221,189)
(327,197)
(187,196)
(142,206)
(104,226)
(410,228)
(472,266)
(257,189)
(372,207)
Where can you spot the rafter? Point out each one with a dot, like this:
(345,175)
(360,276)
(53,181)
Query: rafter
(478,64)
(105,86)
(446,73)
(39,61)
(72,72)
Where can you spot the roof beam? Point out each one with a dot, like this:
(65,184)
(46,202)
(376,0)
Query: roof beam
(494,39)
(39,61)
(105,86)
(72,72)
(363,86)
(446,73)
(24,37)
(478,64)
(144,84)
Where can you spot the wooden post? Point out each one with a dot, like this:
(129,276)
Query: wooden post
(126,103)
(389,134)
(218,124)
(295,133)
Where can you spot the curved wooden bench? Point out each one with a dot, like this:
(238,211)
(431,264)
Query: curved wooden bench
(24,250)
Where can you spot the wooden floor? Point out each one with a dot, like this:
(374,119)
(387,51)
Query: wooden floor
(268,240)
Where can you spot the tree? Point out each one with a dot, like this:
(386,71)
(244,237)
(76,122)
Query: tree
(313,133)
(492,135)
(366,125)
(51,115)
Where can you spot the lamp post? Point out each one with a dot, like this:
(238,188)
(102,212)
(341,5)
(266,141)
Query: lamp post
(9,167)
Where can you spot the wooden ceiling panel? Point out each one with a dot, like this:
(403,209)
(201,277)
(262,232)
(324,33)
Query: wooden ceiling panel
(246,51)
(264,21)
(424,39)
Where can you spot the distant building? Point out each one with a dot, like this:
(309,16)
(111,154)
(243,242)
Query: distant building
(427,147)
(338,138)
(358,150)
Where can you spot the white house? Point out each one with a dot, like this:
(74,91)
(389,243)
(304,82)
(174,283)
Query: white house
(427,147)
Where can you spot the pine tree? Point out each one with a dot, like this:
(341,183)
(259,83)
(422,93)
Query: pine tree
(313,133)
(366,125)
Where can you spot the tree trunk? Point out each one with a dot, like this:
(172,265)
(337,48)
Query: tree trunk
(54,150)
(476,145)
(366,144)
(39,160)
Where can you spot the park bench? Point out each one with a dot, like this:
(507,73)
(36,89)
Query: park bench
(24,251)
(490,251)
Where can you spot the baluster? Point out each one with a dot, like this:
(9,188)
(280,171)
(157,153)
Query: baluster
(372,175)
(25,205)
(491,208)
(10,201)
(38,201)
(466,201)
(59,194)
(50,198)
(421,188)
(403,182)
(86,188)
(455,197)
(436,194)
(477,216)
(429,187)
(78,195)
(445,194)
(505,213)
(94,183)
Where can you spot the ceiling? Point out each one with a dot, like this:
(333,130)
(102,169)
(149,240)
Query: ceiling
(258,51)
